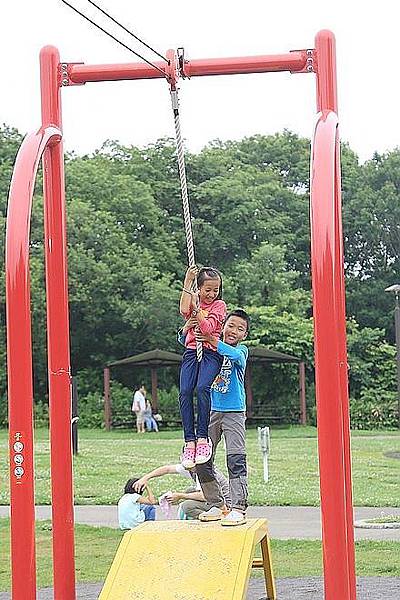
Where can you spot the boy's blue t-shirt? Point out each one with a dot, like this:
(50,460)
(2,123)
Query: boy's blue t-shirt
(130,513)
(228,392)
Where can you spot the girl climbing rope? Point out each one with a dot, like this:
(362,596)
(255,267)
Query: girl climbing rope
(205,310)
(201,303)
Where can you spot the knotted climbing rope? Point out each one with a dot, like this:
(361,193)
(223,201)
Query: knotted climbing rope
(187,218)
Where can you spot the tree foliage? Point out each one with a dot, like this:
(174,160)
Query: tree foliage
(250,204)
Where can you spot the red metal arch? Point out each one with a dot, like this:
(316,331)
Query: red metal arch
(329,315)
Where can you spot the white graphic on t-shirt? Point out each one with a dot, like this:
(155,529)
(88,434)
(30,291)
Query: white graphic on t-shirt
(223,379)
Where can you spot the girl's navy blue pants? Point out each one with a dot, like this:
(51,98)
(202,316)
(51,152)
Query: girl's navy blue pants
(197,376)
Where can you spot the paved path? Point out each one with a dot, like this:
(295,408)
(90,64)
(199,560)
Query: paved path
(307,588)
(285,522)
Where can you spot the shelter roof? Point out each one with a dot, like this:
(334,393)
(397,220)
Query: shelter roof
(163,358)
(261,354)
(153,358)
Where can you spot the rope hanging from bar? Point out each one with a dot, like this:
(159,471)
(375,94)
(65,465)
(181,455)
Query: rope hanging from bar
(187,218)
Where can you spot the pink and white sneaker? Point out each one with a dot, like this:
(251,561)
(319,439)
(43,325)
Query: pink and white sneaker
(203,452)
(188,457)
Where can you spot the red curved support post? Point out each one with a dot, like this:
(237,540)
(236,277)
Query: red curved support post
(19,363)
(59,370)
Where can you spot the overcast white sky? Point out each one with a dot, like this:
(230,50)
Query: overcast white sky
(230,107)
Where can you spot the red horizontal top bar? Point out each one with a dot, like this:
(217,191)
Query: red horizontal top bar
(293,61)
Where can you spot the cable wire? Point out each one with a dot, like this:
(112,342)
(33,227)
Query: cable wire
(113,37)
(127,30)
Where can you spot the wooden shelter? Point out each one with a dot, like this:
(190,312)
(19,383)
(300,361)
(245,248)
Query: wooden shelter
(156,359)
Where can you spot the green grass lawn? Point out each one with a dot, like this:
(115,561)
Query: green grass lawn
(291,558)
(107,459)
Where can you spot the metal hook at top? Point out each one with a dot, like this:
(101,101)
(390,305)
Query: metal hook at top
(172,68)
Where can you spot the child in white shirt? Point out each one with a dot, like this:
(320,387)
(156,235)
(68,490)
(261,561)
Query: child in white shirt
(133,507)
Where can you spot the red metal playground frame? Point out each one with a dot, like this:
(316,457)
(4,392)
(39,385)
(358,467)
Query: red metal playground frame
(328,298)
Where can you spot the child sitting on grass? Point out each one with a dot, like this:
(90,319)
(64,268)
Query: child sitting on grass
(134,508)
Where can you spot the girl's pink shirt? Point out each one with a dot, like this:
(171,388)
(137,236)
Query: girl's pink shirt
(211,325)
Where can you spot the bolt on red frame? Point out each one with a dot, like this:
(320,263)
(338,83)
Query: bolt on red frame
(328,297)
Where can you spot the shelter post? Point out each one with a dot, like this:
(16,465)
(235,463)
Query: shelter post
(107,399)
(154,390)
(302,388)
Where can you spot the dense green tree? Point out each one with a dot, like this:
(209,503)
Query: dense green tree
(372,240)
(250,205)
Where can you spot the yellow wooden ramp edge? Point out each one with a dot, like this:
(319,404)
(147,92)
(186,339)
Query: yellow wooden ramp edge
(187,560)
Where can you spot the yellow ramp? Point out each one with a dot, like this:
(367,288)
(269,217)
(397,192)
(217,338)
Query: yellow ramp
(187,560)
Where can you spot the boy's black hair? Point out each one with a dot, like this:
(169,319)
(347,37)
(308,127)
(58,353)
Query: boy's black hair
(242,314)
(128,489)
(209,273)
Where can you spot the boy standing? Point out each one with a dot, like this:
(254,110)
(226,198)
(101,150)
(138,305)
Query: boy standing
(228,417)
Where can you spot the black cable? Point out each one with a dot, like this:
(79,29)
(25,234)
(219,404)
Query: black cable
(114,38)
(127,30)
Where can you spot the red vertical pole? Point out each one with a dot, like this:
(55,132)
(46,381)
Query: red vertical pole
(330,342)
(343,375)
(107,401)
(58,334)
(302,393)
(326,50)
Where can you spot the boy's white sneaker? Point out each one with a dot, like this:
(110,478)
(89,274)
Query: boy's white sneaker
(213,514)
(234,517)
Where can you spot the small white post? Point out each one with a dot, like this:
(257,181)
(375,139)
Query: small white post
(264,441)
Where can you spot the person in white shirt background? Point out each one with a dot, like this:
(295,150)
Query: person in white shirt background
(138,407)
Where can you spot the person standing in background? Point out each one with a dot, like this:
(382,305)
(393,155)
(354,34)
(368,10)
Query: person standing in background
(149,420)
(138,407)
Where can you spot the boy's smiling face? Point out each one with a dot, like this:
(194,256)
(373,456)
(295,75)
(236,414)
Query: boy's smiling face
(234,331)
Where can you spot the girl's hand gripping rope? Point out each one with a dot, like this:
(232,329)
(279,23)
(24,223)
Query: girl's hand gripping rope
(190,276)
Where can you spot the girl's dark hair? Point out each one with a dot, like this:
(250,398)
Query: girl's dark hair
(209,273)
(128,489)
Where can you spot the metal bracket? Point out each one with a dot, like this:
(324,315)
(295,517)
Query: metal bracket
(174,99)
(311,61)
(62,371)
(64,79)
(182,62)
(172,69)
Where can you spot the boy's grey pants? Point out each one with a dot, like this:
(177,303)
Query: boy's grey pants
(231,425)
